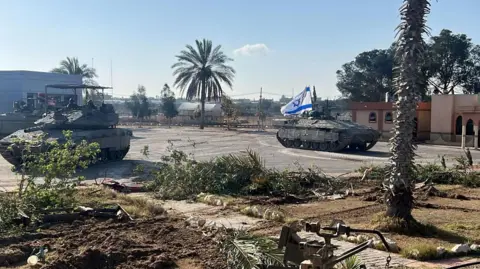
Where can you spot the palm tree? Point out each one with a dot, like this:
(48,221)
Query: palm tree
(71,66)
(408,81)
(200,73)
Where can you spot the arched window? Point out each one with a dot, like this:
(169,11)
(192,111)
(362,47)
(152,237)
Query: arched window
(388,117)
(458,125)
(470,127)
(372,117)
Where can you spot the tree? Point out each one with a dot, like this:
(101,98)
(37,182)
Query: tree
(408,81)
(200,73)
(71,66)
(471,83)
(284,99)
(368,77)
(166,91)
(138,103)
(168,104)
(229,109)
(449,61)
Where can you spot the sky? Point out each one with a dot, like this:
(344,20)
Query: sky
(278,45)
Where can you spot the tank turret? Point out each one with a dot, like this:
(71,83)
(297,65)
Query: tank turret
(88,122)
(23,116)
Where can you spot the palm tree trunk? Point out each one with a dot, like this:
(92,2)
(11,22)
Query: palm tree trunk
(408,79)
(202,100)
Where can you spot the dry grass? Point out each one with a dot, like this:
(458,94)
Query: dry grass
(137,207)
(437,227)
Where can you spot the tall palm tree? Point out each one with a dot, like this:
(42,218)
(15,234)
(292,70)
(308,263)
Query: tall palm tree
(201,71)
(408,81)
(72,66)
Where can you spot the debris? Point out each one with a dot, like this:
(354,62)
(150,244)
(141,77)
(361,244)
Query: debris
(116,212)
(123,187)
(336,197)
(362,238)
(195,222)
(475,247)
(32,260)
(366,173)
(461,248)
(352,239)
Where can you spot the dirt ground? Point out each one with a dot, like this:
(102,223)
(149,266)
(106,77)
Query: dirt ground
(458,220)
(161,242)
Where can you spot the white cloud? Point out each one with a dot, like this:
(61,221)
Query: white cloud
(249,50)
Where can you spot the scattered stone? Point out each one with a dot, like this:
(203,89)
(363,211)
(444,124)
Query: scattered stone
(195,222)
(376,242)
(344,237)
(352,239)
(461,248)
(475,247)
(362,238)
(440,251)
(336,197)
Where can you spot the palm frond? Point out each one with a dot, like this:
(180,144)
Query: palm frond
(352,262)
(247,251)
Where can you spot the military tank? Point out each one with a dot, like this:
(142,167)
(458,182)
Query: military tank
(323,132)
(20,118)
(88,122)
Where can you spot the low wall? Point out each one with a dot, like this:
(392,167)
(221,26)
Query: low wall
(451,139)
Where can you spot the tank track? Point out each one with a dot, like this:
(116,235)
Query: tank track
(345,141)
(104,156)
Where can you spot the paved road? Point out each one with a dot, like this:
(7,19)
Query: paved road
(213,142)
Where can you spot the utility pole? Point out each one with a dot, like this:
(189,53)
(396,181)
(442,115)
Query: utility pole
(260,111)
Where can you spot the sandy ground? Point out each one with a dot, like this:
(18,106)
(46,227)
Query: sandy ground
(211,142)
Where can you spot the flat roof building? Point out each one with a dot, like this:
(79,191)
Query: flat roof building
(29,86)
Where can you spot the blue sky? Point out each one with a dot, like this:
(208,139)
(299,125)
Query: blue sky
(292,43)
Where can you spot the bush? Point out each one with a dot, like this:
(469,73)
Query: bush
(460,174)
(422,252)
(55,165)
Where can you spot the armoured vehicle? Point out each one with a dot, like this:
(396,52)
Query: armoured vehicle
(323,132)
(89,122)
(18,119)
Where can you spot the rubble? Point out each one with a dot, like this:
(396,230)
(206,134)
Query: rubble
(461,248)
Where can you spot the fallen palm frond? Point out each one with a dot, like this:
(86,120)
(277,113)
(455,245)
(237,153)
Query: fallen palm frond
(246,251)
(236,174)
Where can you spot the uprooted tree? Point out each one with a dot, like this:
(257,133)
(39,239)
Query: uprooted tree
(46,175)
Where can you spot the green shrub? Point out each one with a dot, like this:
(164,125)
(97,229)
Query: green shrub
(181,177)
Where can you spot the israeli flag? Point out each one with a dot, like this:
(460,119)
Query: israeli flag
(299,104)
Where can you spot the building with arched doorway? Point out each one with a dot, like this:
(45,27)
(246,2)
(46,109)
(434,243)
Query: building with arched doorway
(455,119)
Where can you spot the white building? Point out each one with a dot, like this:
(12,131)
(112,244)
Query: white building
(30,85)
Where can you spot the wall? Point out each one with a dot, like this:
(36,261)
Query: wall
(15,85)
(380,116)
(445,110)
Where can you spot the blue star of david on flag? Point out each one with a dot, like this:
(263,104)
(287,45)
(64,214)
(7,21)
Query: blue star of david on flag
(299,104)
